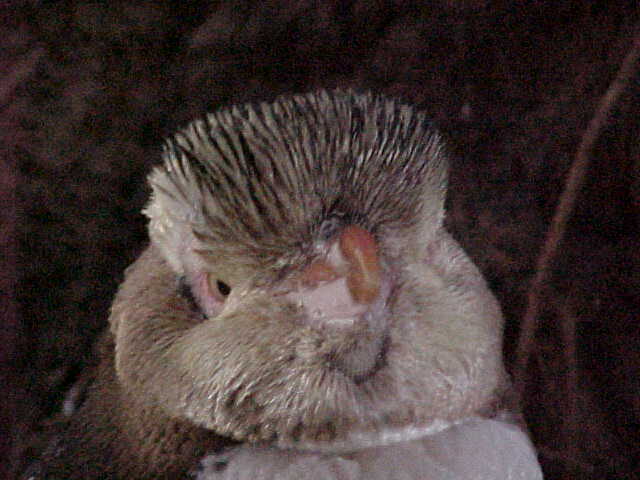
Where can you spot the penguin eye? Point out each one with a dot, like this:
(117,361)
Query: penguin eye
(223,288)
(218,289)
(209,293)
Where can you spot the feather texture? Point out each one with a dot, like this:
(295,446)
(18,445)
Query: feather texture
(261,178)
(301,300)
(478,449)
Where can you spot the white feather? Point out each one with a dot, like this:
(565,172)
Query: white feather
(478,449)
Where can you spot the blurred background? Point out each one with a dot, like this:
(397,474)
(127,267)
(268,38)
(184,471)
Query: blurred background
(88,90)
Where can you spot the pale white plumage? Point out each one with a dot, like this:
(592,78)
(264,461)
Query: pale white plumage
(476,449)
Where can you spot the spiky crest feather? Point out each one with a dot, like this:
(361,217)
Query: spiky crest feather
(263,177)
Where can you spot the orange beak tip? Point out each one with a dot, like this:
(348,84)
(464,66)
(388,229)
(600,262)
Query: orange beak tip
(360,250)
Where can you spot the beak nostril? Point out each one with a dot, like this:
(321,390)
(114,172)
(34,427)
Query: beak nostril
(354,258)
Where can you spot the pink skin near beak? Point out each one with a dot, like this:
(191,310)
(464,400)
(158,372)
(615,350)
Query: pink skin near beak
(341,287)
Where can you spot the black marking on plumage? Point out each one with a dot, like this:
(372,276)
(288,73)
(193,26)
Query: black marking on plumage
(184,290)
(265,177)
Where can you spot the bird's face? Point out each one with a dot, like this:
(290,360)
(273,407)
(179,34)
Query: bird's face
(299,286)
(344,291)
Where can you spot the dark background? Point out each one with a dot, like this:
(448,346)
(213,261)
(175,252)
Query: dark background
(87,92)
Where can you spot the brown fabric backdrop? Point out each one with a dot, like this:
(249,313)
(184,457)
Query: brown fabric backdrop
(87,92)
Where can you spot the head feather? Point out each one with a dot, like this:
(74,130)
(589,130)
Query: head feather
(262,178)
